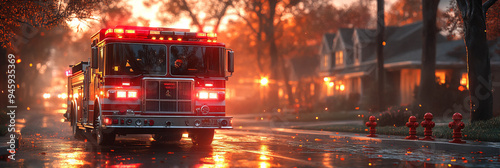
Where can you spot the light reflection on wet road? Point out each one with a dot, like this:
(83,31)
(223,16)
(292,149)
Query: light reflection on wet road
(47,142)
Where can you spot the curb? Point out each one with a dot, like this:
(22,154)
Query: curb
(488,148)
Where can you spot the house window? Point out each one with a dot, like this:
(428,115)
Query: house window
(357,53)
(325,60)
(339,58)
(464,81)
(441,77)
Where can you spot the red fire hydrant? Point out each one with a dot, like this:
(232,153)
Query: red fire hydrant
(412,124)
(372,124)
(428,124)
(457,125)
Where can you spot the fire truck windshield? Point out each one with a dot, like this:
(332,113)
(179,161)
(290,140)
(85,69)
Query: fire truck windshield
(134,59)
(196,61)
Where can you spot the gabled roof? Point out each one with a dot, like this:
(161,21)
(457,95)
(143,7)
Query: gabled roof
(400,40)
(346,37)
(329,39)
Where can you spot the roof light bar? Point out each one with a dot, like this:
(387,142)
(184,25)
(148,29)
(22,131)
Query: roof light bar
(154,33)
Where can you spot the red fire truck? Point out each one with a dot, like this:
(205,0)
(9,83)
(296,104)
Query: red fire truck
(151,80)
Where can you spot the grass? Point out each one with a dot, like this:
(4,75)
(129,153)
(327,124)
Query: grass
(324,116)
(479,131)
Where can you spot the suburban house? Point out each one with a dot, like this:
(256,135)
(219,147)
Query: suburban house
(348,63)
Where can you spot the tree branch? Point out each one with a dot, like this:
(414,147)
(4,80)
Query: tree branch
(248,22)
(462,6)
(192,15)
(221,14)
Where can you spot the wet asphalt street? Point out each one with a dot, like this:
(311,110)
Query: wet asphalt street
(47,142)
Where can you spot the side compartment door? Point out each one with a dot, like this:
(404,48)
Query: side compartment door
(86,96)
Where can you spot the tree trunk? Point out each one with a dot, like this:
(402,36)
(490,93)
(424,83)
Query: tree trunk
(273,101)
(478,65)
(380,55)
(478,60)
(286,79)
(3,68)
(428,69)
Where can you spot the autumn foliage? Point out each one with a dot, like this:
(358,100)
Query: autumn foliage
(39,14)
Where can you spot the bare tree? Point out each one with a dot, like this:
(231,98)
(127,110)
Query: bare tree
(428,69)
(263,18)
(201,13)
(478,61)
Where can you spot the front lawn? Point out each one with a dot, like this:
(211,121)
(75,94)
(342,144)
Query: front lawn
(479,131)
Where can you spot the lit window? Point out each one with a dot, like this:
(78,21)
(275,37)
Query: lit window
(465,80)
(339,58)
(441,77)
(325,60)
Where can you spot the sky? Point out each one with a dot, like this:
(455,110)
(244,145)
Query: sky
(139,10)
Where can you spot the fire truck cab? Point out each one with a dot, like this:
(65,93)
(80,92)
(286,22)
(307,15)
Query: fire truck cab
(150,80)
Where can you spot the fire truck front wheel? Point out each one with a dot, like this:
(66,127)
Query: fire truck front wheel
(202,136)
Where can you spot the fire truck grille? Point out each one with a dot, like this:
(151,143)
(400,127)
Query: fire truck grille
(168,96)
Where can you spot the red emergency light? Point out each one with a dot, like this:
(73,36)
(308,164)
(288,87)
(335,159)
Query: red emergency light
(68,73)
(158,33)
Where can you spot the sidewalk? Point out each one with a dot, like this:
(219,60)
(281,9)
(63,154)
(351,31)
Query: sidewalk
(487,148)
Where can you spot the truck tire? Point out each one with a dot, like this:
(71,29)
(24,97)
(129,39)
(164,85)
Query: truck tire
(202,136)
(103,138)
(168,137)
(77,132)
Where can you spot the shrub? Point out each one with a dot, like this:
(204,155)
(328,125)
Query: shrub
(397,115)
(446,98)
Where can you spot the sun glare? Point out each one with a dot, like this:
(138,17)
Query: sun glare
(139,10)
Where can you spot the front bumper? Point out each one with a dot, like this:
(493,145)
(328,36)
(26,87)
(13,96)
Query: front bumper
(167,122)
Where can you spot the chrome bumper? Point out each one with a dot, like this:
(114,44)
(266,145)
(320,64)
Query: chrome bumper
(166,122)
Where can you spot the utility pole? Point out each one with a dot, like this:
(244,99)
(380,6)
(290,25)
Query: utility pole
(380,55)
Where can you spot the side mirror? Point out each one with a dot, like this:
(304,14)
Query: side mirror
(230,61)
(95,57)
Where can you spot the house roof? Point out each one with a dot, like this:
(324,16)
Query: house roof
(329,39)
(356,71)
(403,49)
(346,35)
(402,39)
(366,35)
(443,58)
